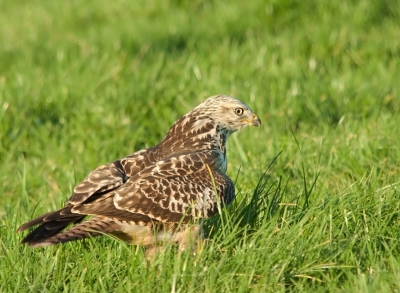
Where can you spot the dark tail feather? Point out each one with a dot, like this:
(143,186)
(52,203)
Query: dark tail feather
(89,228)
(50,224)
(49,229)
(33,223)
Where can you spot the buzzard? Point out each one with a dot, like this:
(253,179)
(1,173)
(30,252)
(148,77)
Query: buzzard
(156,194)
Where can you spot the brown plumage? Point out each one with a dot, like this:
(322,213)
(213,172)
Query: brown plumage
(155,194)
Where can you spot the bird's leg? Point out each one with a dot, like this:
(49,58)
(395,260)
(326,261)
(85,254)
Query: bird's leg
(152,251)
(192,238)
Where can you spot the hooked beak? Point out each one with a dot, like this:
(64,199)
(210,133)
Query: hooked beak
(255,121)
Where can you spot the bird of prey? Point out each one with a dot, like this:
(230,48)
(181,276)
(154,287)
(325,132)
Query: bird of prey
(157,194)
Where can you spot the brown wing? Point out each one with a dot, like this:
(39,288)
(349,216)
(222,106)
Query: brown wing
(175,198)
(167,191)
(172,199)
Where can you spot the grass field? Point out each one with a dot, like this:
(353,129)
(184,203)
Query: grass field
(83,83)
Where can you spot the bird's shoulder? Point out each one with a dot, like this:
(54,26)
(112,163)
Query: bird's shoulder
(106,178)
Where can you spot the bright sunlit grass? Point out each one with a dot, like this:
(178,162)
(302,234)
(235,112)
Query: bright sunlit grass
(83,83)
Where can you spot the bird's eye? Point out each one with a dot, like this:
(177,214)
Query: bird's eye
(239,111)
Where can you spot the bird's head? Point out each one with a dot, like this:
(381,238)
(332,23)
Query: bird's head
(203,127)
(229,113)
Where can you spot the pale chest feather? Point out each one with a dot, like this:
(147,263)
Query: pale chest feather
(222,160)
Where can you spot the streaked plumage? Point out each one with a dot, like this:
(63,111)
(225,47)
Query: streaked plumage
(154,194)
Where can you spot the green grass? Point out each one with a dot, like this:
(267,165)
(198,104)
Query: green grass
(83,83)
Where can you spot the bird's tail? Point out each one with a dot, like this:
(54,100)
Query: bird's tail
(52,225)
